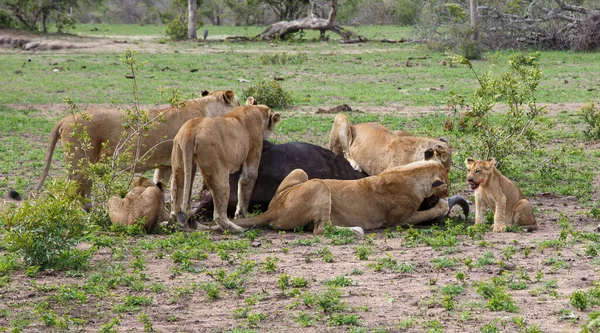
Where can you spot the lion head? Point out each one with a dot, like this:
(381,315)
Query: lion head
(478,171)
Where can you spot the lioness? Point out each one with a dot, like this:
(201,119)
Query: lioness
(220,146)
(105,127)
(145,200)
(497,192)
(372,148)
(389,199)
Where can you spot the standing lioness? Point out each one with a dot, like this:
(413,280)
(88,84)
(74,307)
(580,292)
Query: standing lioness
(220,146)
(494,191)
(372,148)
(105,128)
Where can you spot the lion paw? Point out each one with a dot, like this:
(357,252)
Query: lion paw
(499,228)
(357,230)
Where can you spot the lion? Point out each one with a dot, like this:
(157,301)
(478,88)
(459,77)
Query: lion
(386,200)
(145,201)
(372,148)
(494,190)
(105,131)
(220,146)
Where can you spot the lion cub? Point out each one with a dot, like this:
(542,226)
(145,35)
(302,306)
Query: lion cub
(145,200)
(494,191)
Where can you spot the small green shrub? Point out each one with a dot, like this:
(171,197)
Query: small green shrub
(511,133)
(177,29)
(283,58)
(269,93)
(579,300)
(591,116)
(44,231)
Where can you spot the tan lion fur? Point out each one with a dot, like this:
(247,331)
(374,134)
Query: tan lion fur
(493,190)
(372,148)
(145,200)
(389,199)
(220,146)
(105,126)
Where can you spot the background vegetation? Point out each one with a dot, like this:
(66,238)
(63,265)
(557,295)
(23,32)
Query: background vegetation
(83,276)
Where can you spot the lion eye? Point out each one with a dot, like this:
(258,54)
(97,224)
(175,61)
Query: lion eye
(477,171)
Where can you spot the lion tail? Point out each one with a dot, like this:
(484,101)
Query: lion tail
(186,155)
(460,201)
(54,136)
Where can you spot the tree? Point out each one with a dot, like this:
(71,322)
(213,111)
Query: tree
(192,19)
(502,24)
(31,13)
(283,28)
(287,9)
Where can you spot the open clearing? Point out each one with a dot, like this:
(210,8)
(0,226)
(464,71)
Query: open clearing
(427,279)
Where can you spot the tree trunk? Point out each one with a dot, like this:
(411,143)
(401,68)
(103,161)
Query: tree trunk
(282,28)
(192,19)
(474,19)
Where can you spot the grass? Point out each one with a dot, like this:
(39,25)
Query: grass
(317,281)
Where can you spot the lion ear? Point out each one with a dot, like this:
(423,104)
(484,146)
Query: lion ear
(443,139)
(274,118)
(491,162)
(160,186)
(251,101)
(429,154)
(469,161)
(204,93)
(229,96)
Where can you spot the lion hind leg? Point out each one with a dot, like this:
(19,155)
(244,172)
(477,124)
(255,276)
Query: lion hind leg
(218,184)
(523,215)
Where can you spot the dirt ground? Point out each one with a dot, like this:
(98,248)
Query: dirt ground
(383,300)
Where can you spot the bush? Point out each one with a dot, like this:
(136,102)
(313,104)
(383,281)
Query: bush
(177,29)
(499,135)
(591,116)
(5,19)
(44,231)
(269,93)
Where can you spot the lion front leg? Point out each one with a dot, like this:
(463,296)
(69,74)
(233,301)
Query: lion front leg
(480,209)
(500,214)
(440,209)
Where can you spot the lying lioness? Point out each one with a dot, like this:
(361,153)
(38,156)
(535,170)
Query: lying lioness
(105,129)
(145,200)
(220,146)
(373,148)
(389,199)
(497,192)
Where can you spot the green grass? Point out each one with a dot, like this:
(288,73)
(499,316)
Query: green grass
(378,76)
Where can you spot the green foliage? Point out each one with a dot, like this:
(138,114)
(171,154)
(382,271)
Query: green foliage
(339,235)
(339,281)
(5,20)
(578,299)
(270,264)
(513,133)
(28,14)
(591,117)
(283,58)
(269,93)
(498,298)
(45,231)
(177,29)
